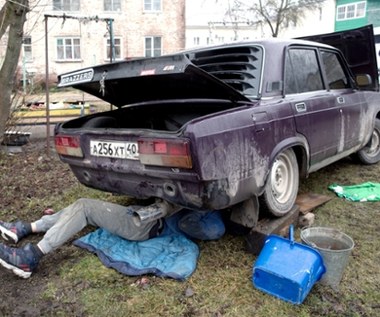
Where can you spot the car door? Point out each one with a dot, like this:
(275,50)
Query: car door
(316,114)
(358,48)
(352,106)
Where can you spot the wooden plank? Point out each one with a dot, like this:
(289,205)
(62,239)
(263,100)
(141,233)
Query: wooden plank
(309,201)
(256,238)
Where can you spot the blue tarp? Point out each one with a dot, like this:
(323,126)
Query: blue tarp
(168,255)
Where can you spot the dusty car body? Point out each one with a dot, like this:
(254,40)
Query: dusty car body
(220,127)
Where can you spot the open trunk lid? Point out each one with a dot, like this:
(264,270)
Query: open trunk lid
(167,77)
(358,47)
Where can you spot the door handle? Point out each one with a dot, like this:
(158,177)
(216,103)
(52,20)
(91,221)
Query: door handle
(300,107)
(340,100)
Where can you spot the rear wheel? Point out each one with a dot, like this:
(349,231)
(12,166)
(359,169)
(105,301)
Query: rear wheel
(281,188)
(370,154)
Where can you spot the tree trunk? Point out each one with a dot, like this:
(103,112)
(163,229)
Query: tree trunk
(13,17)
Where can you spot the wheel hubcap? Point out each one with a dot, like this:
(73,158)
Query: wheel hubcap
(281,179)
(374,145)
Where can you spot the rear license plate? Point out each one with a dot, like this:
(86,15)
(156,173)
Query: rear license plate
(121,150)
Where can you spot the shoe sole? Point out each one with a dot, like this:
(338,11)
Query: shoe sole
(7,234)
(15,269)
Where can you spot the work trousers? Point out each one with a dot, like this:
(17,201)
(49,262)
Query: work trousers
(63,225)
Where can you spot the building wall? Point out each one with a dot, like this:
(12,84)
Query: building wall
(350,23)
(372,15)
(131,25)
(373,12)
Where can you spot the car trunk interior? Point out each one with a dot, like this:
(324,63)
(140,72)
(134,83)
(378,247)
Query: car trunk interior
(170,116)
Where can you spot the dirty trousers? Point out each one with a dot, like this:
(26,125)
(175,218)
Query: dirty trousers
(63,225)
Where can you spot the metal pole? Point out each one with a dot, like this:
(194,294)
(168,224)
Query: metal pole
(47,102)
(112,42)
(112,45)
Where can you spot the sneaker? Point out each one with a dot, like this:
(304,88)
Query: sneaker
(14,230)
(21,261)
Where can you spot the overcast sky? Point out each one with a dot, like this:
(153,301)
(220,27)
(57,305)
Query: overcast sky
(204,11)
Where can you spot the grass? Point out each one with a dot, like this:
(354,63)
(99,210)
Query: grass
(222,282)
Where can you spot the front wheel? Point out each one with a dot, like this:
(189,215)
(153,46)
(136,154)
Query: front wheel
(370,154)
(281,188)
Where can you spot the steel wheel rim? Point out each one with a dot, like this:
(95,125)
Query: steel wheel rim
(373,148)
(282,177)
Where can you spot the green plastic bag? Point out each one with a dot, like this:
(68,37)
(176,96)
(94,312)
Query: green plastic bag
(363,192)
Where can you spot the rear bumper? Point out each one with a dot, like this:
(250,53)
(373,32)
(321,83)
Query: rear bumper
(201,195)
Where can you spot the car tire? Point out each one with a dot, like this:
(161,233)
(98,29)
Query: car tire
(370,154)
(282,184)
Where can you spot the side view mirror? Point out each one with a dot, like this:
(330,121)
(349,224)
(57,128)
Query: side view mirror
(363,80)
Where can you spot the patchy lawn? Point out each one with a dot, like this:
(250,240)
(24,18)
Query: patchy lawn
(73,282)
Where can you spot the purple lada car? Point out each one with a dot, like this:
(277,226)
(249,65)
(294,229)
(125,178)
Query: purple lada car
(223,127)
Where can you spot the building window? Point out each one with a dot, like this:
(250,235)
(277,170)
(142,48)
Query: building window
(152,5)
(112,5)
(196,40)
(68,49)
(27,48)
(117,48)
(66,5)
(153,46)
(351,11)
(360,9)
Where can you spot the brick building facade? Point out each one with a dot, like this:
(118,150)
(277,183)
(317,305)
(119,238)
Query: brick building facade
(79,33)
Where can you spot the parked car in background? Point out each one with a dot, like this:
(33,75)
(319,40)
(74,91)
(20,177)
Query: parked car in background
(225,127)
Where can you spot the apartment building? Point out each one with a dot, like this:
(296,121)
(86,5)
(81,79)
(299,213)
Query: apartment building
(75,34)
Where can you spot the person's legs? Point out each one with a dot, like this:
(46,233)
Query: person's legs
(114,218)
(18,230)
(62,226)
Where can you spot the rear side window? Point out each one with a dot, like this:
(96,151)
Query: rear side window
(302,72)
(336,77)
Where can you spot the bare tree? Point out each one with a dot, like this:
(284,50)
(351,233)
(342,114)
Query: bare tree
(274,13)
(12,19)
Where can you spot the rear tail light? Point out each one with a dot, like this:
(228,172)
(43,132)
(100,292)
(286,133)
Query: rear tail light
(165,152)
(68,145)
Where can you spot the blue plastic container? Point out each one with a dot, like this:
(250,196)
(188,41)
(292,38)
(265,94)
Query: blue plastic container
(287,269)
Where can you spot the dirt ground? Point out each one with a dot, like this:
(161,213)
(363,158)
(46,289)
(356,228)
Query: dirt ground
(24,175)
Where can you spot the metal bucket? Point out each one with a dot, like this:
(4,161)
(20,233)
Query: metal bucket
(335,248)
